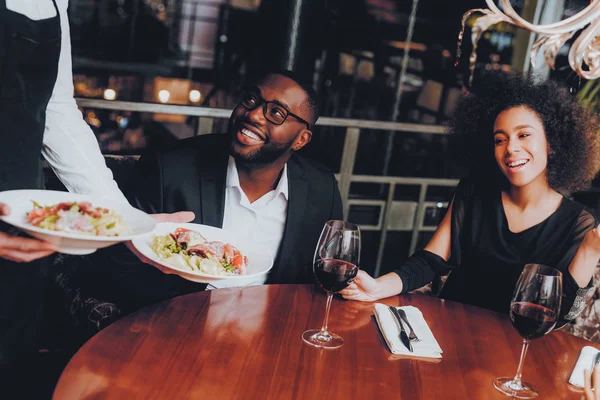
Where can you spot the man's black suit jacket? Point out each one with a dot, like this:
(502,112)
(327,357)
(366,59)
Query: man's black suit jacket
(191,177)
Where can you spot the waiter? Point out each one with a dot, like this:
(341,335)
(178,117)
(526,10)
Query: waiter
(38,116)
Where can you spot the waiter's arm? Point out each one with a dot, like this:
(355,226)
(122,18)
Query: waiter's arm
(70,146)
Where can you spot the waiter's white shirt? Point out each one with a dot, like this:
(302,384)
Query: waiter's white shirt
(70,146)
(259,224)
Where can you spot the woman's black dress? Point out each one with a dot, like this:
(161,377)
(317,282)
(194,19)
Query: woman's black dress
(487,258)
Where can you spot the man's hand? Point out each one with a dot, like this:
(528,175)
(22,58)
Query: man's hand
(178,217)
(20,249)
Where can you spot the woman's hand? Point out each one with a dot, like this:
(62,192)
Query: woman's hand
(20,249)
(364,288)
(592,384)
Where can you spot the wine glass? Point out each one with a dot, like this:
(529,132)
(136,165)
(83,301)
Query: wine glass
(533,311)
(335,265)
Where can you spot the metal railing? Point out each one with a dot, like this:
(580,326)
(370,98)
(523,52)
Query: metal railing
(407,216)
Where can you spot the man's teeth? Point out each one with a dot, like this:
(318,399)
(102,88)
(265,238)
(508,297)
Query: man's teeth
(517,163)
(250,134)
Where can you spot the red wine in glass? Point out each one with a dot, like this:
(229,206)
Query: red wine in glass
(334,275)
(533,311)
(532,320)
(335,265)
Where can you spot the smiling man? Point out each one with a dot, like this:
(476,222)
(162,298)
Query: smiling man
(250,181)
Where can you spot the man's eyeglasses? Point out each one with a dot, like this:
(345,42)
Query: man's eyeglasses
(273,111)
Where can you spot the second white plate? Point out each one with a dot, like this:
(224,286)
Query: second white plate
(258,263)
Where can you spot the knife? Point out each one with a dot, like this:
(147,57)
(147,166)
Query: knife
(403,335)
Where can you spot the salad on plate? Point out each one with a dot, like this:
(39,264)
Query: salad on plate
(79,217)
(188,249)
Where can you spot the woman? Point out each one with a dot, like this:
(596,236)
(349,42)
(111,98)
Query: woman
(527,146)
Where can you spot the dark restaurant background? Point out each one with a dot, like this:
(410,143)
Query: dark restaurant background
(198,53)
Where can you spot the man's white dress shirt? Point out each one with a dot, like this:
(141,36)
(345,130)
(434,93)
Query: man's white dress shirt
(259,224)
(70,146)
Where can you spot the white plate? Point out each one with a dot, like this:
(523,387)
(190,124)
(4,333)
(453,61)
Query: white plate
(20,204)
(258,263)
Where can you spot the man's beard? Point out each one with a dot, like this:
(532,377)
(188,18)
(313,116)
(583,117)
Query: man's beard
(267,154)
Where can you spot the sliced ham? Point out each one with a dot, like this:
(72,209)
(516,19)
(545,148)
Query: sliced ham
(186,238)
(196,245)
(204,249)
(220,250)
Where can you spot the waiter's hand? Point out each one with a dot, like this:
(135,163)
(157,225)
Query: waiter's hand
(22,249)
(178,217)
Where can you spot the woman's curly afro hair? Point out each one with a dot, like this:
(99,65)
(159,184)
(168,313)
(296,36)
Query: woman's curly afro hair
(572,131)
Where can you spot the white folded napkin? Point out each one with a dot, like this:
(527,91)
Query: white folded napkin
(427,346)
(586,357)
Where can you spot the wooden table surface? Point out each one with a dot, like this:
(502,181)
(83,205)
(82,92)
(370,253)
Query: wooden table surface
(246,344)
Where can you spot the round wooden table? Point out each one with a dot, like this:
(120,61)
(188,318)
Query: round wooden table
(245,344)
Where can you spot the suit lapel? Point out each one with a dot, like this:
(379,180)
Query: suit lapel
(293,227)
(212,187)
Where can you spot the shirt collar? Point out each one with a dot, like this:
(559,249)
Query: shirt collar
(233,179)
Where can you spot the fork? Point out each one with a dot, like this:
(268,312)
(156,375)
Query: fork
(412,336)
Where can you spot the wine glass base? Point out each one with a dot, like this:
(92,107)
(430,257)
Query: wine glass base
(324,340)
(518,390)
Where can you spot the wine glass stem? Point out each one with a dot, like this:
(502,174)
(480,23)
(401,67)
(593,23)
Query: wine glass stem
(519,373)
(327,307)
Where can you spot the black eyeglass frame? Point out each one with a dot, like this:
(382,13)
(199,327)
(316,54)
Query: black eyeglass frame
(265,103)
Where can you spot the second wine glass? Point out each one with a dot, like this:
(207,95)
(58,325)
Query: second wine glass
(533,311)
(335,266)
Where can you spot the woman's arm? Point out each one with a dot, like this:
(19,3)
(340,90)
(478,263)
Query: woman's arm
(365,288)
(584,263)
(440,241)
(578,266)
